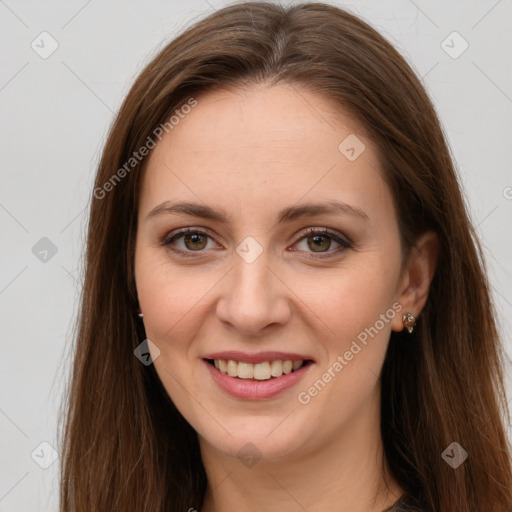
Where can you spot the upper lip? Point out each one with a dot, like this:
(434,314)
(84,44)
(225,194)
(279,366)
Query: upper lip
(259,357)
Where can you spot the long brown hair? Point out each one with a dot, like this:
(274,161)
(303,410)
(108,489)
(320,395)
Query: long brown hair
(125,445)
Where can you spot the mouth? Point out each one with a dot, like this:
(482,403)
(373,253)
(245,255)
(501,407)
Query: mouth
(260,380)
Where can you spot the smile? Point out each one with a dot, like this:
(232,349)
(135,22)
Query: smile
(256,381)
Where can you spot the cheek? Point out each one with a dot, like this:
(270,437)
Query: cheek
(355,312)
(175,301)
(169,300)
(350,300)
(172,300)
(359,313)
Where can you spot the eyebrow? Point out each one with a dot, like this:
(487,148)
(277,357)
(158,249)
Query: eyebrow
(285,215)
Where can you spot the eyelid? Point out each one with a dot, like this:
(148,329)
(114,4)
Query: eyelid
(320,230)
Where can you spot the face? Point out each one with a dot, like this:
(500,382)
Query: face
(292,254)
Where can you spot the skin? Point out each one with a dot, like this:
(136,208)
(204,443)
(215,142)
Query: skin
(253,152)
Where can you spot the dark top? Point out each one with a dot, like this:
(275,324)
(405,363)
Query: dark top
(405,504)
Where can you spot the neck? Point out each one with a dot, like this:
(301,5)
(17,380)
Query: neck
(343,473)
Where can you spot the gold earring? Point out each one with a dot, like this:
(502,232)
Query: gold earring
(409,321)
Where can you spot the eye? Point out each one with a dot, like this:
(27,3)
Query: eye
(320,241)
(196,240)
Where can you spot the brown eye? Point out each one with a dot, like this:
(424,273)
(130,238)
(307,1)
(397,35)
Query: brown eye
(194,240)
(319,241)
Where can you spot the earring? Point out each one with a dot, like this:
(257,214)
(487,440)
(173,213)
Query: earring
(409,321)
(141,315)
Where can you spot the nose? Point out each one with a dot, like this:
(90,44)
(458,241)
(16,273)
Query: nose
(254,297)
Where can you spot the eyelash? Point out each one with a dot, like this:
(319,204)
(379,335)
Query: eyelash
(344,243)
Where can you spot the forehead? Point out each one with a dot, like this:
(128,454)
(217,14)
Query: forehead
(276,115)
(265,145)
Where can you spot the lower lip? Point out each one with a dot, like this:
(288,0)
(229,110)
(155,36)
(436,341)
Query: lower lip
(249,389)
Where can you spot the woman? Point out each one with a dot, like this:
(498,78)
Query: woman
(285,305)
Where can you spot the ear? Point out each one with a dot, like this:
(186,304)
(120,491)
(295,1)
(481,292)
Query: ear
(414,284)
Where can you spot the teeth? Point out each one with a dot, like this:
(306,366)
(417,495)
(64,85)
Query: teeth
(244,370)
(276,368)
(259,371)
(262,371)
(287,367)
(232,368)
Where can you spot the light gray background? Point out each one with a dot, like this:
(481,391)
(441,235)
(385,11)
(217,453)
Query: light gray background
(55,113)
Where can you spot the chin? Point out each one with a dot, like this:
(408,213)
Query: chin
(267,438)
